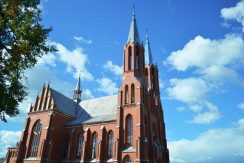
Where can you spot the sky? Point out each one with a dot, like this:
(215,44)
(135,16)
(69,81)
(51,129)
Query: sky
(198,46)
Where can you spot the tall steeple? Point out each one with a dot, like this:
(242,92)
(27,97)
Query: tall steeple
(77,92)
(148,54)
(133,33)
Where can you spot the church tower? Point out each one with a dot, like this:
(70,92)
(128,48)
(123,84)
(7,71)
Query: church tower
(140,114)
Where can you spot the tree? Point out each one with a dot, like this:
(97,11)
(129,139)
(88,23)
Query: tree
(23,40)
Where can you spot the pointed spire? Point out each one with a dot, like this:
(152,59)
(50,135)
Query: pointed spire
(133,33)
(77,92)
(148,54)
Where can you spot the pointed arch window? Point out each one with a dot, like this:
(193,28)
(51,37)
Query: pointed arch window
(79,146)
(132,93)
(110,144)
(129,130)
(130,59)
(94,145)
(137,58)
(35,139)
(126,94)
(127,160)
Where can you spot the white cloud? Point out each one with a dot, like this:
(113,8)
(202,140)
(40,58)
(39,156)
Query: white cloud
(48,59)
(241,106)
(75,61)
(208,116)
(189,90)
(8,139)
(192,91)
(235,13)
(202,53)
(117,70)
(240,124)
(82,39)
(107,86)
(213,146)
(86,94)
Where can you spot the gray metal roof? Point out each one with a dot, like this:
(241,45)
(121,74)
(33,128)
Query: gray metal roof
(148,54)
(102,109)
(103,118)
(101,106)
(133,33)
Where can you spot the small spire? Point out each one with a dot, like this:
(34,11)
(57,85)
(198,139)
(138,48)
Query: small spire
(77,92)
(133,33)
(148,54)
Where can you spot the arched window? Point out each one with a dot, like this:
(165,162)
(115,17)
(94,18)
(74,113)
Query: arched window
(35,138)
(129,130)
(132,93)
(147,77)
(127,160)
(137,58)
(126,95)
(66,147)
(110,144)
(94,145)
(130,59)
(79,146)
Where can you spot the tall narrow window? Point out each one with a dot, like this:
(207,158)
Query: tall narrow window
(126,95)
(94,145)
(35,138)
(79,146)
(129,130)
(137,58)
(110,144)
(132,93)
(130,59)
(127,160)
(66,147)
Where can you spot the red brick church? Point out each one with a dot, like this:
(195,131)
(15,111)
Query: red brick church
(126,127)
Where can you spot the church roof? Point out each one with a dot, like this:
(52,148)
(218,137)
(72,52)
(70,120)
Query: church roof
(100,106)
(101,109)
(64,104)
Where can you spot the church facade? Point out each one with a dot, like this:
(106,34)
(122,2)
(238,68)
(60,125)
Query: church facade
(126,127)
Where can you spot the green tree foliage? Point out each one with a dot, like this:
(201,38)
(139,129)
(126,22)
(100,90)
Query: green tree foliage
(23,40)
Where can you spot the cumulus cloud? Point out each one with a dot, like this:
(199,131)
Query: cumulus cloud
(75,61)
(82,40)
(203,52)
(189,90)
(86,94)
(235,13)
(109,66)
(241,106)
(223,145)
(8,139)
(107,86)
(192,91)
(208,116)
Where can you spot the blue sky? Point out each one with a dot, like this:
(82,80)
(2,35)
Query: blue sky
(197,45)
